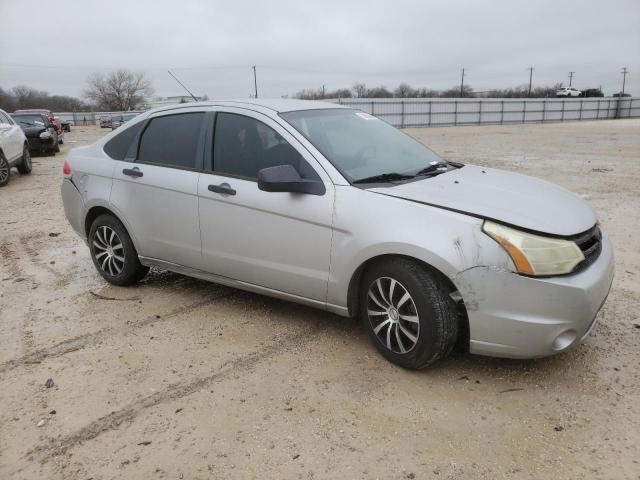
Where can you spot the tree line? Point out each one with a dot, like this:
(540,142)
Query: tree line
(120,90)
(404,90)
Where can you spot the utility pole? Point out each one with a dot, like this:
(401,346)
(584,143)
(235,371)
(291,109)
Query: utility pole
(462,84)
(571,77)
(323,91)
(530,79)
(255,81)
(624,78)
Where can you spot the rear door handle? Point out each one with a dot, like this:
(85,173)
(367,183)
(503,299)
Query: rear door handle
(132,172)
(223,188)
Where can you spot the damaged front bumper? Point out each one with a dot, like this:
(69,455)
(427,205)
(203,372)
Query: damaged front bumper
(515,316)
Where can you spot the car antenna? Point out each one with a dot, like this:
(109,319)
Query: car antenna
(182,85)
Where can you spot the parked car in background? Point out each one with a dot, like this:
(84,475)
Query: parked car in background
(40,132)
(105,121)
(592,92)
(55,122)
(568,92)
(14,149)
(619,94)
(66,124)
(334,208)
(119,120)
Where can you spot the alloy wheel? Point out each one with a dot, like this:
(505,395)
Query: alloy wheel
(108,250)
(4,170)
(393,315)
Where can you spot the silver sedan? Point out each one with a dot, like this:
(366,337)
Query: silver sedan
(331,207)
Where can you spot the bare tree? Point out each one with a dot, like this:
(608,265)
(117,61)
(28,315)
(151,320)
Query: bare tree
(120,90)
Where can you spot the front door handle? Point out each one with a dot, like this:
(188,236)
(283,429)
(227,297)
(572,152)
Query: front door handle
(132,172)
(223,188)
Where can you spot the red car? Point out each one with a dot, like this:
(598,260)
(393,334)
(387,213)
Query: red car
(56,122)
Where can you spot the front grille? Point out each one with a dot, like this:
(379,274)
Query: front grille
(590,242)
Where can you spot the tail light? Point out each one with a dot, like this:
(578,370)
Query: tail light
(66,169)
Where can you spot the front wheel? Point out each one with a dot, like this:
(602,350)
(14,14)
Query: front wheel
(408,312)
(113,253)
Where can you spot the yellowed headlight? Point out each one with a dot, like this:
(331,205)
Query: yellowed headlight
(535,254)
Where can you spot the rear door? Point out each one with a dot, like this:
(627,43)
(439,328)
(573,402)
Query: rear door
(277,240)
(10,137)
(156,186)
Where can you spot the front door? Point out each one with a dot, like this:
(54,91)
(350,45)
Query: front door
(156,187)
(277,240)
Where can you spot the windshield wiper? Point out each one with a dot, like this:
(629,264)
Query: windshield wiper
(384,177)
(26,123)
(434,168)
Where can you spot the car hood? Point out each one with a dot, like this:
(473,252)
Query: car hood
(33,131)
(503,196)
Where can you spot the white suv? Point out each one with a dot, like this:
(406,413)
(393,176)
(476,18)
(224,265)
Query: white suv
(568,92)
(14,149)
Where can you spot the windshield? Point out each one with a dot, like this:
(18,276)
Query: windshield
(360,145)
(28,119)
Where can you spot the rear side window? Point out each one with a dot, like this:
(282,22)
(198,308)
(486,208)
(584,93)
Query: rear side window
(118,146)
(172,140)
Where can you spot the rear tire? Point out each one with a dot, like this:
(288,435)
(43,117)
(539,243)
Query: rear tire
(26,165)
(412,321)
(5,170)
(113,252)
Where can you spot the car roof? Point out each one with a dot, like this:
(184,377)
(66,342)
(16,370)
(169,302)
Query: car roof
(33,110)
(277,105)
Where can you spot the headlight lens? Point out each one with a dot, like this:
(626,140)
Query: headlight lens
(45,135)
(535,254)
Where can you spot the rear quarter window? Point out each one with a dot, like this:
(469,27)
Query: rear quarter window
(118,146)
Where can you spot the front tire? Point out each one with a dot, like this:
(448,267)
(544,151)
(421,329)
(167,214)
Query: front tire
(113,252)
(408,312)
(26,166)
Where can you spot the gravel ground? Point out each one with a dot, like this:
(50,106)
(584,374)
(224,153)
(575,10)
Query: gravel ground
(178,378)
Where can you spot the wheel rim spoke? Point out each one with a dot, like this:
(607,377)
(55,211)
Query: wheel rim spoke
(379,284)
(381,325)
(377,302)
(400,344)
(396,324)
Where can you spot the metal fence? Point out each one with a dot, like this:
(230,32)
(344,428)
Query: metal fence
(91,118)
(426,112)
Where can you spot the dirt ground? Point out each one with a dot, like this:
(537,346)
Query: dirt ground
(179,378)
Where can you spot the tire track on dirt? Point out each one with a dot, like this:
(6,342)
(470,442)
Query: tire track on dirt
(242,363)
(81,341)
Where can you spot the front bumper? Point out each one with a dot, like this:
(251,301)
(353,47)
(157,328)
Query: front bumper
(37,144)
(515,316)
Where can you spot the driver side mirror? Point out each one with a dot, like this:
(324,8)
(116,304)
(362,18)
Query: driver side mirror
(285,178)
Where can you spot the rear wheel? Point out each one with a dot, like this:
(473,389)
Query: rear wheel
(26,165)
(5,170)
(113,253)
(408,313)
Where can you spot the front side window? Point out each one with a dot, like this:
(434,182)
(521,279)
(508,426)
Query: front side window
(243,146)
(172,140)
(360,145)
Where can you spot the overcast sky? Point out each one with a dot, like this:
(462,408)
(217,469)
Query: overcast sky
(211,45)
